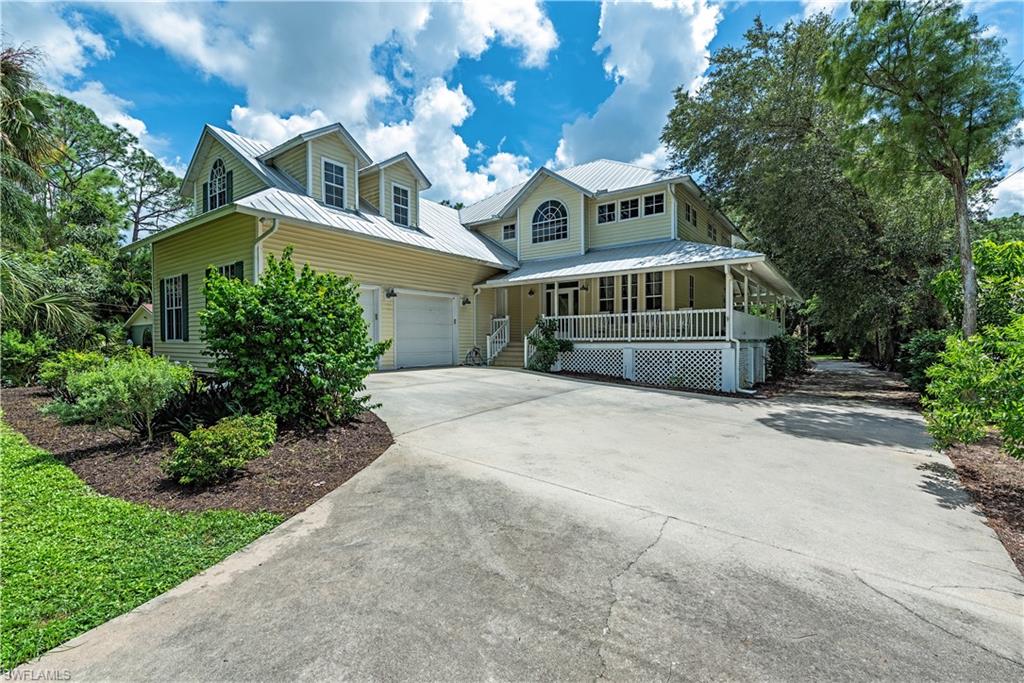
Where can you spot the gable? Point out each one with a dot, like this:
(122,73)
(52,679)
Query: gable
(334,149)
(245,182)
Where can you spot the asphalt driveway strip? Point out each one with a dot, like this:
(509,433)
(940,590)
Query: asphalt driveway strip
(527,527)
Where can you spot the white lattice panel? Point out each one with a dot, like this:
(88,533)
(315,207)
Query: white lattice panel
(693,368)
(597,361)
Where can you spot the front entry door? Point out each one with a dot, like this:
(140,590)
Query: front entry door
(568,299)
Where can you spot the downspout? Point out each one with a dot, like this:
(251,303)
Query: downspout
(476,325)
(257,261)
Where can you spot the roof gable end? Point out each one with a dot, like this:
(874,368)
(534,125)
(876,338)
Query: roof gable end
(301,138)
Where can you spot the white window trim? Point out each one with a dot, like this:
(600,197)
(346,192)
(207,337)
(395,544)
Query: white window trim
(515,232)
(639,209)
(615,213)
(568,222)
(408,208)
(210,191)
(323,182)
(643,211)
(163,314)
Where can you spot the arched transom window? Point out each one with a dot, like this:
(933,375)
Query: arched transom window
(550,222)
(218,189)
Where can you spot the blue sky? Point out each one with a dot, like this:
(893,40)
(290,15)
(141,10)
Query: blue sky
(480,94)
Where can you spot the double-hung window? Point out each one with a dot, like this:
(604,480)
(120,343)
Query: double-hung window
(231,270)
(174,306)
(334,184)
(629,293)
(606,213)
(652,291)
(606,294)
(629,208)
(217,188)
(400,204)
(508,232)
(712,233)
(654,204)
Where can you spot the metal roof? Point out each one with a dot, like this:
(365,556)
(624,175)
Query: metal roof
(269,153)
(249,149)
(488,208)
(402,156)
(439,229)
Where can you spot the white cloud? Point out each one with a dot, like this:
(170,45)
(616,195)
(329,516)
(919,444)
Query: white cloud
(648,51)
(830,7)
(656,159)
(271,128)
(1009,194)
(66,44)
(505,90)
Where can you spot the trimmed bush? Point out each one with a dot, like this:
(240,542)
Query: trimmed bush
(787,357)
(53,374)
(919,354)
(546,346)
(209,454)
(21,356)
(124,393)
(295,345)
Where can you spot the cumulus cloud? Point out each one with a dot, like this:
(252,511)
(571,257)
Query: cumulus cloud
(505,90)
(830,7)
(271,128)
(648,51)
(66,43)
(1009,194)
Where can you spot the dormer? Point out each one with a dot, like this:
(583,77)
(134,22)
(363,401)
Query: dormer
(393,187)
(325,162)
(221,172)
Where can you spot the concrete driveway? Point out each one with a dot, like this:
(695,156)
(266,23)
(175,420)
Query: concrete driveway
(534,527)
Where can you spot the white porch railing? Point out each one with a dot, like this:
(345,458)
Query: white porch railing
(497,340)
(528,347)
(686,325)
(747,326)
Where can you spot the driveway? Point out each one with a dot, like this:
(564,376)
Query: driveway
(535,527)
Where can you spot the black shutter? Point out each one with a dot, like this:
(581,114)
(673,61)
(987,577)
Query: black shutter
(239,270)
(184,307)
(163,317)
(206,197)
(231,186)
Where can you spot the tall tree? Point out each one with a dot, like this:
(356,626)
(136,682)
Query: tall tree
(925,89)
(151,194)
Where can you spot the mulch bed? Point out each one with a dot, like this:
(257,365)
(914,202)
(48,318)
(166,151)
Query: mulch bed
(301,468)
(996,482)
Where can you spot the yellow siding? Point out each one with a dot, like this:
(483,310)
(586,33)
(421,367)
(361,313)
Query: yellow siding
(217,243)
(390,266)
(399,173)
(494,231)
(369,188)
(244,182)
(709,287)
(550,188)
(293,162)
(640,229)
(334,148)
(699,233)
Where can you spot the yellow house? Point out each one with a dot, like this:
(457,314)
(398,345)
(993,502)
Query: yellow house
(634,265)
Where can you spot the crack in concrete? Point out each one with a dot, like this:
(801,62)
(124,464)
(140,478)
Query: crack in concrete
(615,596)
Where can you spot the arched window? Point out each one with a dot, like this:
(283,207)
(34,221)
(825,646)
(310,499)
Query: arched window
(550,222)
(218,188)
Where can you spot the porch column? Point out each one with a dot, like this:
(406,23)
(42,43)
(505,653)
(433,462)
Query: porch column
(554,297)
(629,306)
(782,314)
(746,293)
(668,290)
(728,302)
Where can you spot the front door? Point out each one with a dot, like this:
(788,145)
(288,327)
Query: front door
(567,298)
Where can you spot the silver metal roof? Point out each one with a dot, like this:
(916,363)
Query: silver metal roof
(425,183)
(488,208)
(439,229)
(249,149)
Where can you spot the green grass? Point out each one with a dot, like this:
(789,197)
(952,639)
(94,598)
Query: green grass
(73,559)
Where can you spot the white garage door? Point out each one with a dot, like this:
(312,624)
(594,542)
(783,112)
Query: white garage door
(424,330)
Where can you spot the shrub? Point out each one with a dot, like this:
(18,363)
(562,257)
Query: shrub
(546,345)
(295,345)
(787,357)
(124,392)
(919,354)
(209,454)
(21,356)
(53,374)
(202,403)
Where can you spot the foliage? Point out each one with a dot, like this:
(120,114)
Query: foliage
(21,356)
(293,344)
(919,354)
(1000,273)
(201,404)
(73,559)
(1001,229)
(151,194)
(787,357)
(209,454)
(546,345)
(979,381)
(29,304)
(54,373)
(925,89)
(125,393)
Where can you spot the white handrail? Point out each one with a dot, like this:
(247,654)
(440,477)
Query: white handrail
(685,325)
(528,347)
(497,340)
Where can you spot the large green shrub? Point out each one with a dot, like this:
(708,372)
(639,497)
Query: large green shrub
(1000,269)
(53,373)
(209,454)
(21,356)
(787,357)
(919,354)
(125,392)
(546,345)
(295,345)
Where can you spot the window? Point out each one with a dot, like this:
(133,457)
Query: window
(334,184)
(629,208)
(400,204)
(606,213)
(652,291)
(550,222)
(691,215)
(173,308)
(218,187)
(231,270)
(654,203)
(692,292)
(629,293)
(606,294)
(508,232)
(712,233)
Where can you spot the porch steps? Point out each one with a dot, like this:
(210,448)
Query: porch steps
(511,356)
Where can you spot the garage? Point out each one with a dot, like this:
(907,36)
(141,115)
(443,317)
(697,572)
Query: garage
(368,299)
(424,330)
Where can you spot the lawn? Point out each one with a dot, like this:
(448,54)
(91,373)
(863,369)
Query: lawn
(73,559)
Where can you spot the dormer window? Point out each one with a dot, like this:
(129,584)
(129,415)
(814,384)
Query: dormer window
(217,188)
(334,184)
(400,205)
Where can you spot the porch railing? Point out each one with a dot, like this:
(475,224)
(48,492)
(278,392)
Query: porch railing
(497,340)
(528,349)
(747,326)
(686,325)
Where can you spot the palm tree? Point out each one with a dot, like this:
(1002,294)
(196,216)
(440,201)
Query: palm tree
(25,303)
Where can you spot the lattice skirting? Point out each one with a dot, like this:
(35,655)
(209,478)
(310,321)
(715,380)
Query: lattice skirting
(691,368)
(597,361)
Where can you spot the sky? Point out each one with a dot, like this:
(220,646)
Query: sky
(481,94)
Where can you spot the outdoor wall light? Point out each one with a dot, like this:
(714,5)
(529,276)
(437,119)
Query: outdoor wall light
(584,287)
(391,293)
(466,301)
(530,293)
